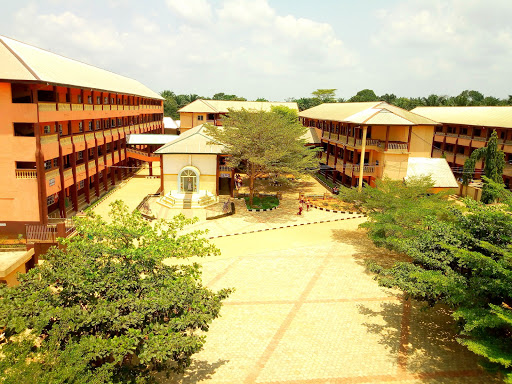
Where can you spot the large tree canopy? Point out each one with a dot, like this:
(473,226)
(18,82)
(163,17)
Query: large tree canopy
(106,308)
(461,258)
(262,141)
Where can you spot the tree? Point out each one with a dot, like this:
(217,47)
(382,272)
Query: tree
(388,98)
(459,258)
(494,162)
(105,308)
(261,99)
(364,95)
(307,102)
(223,96)
(264,141)
(170,104)
(325,95)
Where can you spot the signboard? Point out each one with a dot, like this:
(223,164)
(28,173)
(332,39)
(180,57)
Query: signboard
(225,175)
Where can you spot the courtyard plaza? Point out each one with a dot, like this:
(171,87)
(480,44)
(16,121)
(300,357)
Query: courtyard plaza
(305,310)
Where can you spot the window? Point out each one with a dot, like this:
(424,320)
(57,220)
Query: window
(47,129)
(98,124)
(477,132)
(55,162)
(451,129)
(113,123)
(119,122)
(79,99)
(211,116)
(464,131)
(112,100)
(80,155)
(50,199)
(200,118)
(89,99)
(90,125)
(188,181)
(460,150)
(118,101)
(105,100)
(439,129)
(108,147)
(48,164)
(98,99)
(80,126)
(81,184)
(60,129)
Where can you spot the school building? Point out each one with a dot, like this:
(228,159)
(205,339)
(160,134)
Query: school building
(392,136)
(211,111)
(63,126)
(464,129)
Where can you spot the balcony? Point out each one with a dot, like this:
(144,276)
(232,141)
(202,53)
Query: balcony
(26,174)
(397,147)
(47,107)
(64,107)
(48,139)
(368,170)
(77,107)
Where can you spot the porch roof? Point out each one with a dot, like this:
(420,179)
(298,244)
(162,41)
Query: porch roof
(193,141)
(437,168)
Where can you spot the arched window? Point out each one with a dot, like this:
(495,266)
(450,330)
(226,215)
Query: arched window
(189,181)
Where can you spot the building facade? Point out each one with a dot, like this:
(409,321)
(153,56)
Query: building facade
(63,126)
(211,111)
(393,135)
(465,129)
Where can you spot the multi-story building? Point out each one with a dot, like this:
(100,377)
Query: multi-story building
(63,126)
(393,135)
(211,111)
(465,129)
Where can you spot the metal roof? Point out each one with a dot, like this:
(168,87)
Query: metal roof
(368,113)
(24,62)
(149,138)
(170,123)
(193,141)
(479,116)
(437,168)
(222,106)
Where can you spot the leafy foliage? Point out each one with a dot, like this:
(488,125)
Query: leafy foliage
(106,308)
(494,162)
(262,141)
(459,257)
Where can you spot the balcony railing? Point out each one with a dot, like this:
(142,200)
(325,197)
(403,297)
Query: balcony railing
(80,168)
(225,168)
(77,107)
(397,146)
(89,136)
(68,174)
(26,174)
(78,138)
(91,164)
(65,141)
(88,107)
(367,169)
(64,107)
(52,174)
(47,139)
(47,107)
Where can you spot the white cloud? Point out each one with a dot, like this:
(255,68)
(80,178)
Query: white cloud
(191,10)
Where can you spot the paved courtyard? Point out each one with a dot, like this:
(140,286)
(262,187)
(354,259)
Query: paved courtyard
(306,311)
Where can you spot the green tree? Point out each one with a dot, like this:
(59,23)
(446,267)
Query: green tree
(459,258)
(306,102)
(106,308)
(388,98)
(223,96)
(264,141)
(325,95)
(261,99)
(170,104)
(494,163)
(364,95)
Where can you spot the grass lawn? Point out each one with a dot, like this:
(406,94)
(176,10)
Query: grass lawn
(326,181)
(265,202)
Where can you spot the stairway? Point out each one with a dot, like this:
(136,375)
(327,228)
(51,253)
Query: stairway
(187,201)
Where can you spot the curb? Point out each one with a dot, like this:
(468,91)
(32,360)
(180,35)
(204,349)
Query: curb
(288,226)
(331,210)
(262,210)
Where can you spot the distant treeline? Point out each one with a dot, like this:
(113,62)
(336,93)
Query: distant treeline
(174,102)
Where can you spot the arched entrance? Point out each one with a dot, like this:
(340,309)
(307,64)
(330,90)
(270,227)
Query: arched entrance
(188,180)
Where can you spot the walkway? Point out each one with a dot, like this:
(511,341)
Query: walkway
(131,191)
(305,311)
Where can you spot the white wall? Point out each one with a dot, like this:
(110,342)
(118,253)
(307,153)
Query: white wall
(207,164)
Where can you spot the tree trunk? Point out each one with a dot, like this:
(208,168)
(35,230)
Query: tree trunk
(252,174)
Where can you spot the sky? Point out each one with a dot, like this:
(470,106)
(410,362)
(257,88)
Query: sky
(279,49)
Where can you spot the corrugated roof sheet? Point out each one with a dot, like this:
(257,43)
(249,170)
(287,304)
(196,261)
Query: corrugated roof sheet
(311,136)
(369,113)
(20,61)
(437,168)
(222,106)
(479,116)
(193,141)
(149,138)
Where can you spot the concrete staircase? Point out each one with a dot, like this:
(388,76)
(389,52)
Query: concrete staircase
(187,201)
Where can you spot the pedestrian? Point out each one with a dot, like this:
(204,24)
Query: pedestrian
(225,207)
(307,205)
(300,210)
